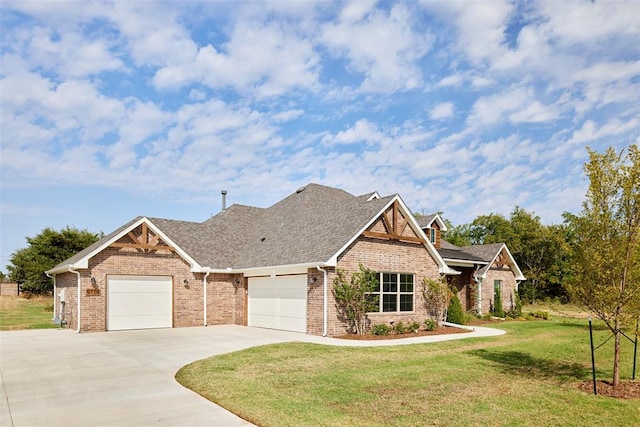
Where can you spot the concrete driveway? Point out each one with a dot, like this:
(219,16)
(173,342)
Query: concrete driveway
(60,378)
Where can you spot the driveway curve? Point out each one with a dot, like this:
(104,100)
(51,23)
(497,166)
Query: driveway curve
(126,378)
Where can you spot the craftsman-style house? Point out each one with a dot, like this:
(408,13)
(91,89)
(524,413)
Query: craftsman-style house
(267,267)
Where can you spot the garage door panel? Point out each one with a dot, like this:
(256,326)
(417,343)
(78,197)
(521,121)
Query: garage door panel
(139,302)
(278,303)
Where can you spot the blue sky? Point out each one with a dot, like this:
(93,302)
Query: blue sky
(110,110)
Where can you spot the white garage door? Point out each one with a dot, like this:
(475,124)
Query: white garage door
(138,302)
(278,303)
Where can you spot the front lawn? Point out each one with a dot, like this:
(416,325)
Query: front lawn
(528,377)
(17,312)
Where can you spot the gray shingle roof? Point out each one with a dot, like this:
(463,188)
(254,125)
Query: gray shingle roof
(425,221)
(482,253)
(86,251)
(311,225)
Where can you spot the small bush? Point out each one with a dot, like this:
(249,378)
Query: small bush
(399,328)
(429,324)
(413,327)
(515,311)
(381,329)
(455,313)
(469,316)
(538,315)
(497,308)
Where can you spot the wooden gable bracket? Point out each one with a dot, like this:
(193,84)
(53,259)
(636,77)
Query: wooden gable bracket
(394,226)
(145,242)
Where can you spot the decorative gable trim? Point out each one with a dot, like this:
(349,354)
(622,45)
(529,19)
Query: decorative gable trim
(395,224)
(499,260)
(395,228)
(144,242)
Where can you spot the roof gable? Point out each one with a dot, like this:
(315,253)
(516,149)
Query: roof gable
(126,237)
(495,254)
(427,221)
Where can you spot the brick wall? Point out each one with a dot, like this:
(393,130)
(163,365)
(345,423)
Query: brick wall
(508,288)
(381,256)
(464,284)
(225,299)
(188,299)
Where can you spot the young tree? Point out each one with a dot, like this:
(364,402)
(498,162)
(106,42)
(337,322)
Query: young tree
(354,296)
(606,243)
(437,296)
(45,250)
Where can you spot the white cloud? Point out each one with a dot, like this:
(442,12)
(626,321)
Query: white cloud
(379,45)
(264,58)
(443,110)
(362,131)
(480,26)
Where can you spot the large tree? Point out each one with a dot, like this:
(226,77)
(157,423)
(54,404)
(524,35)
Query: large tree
(606,243)
(43,252)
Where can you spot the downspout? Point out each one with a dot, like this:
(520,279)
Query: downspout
(55,290)
(78,296)
(479,280)
(204,281)
(325,302)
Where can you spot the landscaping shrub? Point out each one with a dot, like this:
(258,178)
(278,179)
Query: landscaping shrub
(413,327)
(538,315)
(516,311)
(429,324)
(381,329)
(399,328)
(454,312)
(498,311)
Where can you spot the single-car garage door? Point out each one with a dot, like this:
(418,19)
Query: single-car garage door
(278,302)
(138,302)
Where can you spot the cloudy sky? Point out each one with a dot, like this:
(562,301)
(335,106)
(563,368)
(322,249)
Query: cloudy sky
(111,110)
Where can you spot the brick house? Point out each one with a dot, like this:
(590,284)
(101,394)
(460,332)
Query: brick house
(266,267)
(484,270)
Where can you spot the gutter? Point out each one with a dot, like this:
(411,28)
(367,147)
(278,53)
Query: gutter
(204,282)
(71,270)
(325,300)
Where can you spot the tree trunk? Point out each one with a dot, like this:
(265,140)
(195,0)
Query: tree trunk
(616,355)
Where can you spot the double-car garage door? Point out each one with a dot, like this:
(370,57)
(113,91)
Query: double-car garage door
(278,302)
(139,302)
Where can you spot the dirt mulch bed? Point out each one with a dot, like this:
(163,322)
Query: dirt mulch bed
(444,330)
(626,389)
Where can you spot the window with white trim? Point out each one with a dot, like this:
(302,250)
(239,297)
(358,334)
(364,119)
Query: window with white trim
(497,288)
(394,293)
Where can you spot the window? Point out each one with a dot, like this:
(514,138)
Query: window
(394,293)
(497,288)
(432,235)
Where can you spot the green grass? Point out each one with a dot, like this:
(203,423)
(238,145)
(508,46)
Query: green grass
(21,313)
(528,377)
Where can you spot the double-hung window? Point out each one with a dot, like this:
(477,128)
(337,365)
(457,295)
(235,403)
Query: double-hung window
(394,292)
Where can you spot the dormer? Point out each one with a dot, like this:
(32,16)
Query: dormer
(433,226)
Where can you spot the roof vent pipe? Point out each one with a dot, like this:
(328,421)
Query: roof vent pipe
(224,200)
